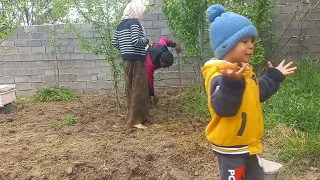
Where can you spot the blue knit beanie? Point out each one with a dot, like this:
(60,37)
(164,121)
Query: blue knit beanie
(227,29)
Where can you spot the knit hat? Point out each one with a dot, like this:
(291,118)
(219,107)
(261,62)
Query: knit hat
(227,29)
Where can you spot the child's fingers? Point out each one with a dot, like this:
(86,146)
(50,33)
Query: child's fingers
(292,69)
(282,62)
(270,64)
(242,69)
(288,65)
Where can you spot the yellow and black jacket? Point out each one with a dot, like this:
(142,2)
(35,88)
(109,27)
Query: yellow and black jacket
(236,126)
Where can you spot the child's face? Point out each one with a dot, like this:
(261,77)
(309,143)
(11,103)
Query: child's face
(242,52)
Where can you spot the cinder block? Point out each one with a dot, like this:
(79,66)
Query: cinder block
(70,63)
(94,77)
(9,72)
(49,78)
(7,43)
(172,82)
(165,31)
(67,84)
(24,50)
(151,17)
(90,57)
(79,70)
(105,69)
(38,86)
(23,72)
(45,28)
(147,24)
(50,57)
(84,78)
(11,51)
(41,64)
(64,56)
(13,65)
(159,24)
(27,65)
(6,80)
(68,70)
(289,9)
(68,78)
(30,29)
(26,93)
(78,49)
(284,17)
(21,43)
(65,49)
(313,32)
(24,86)
(24,36)
(79,85)
(22,79)
(95,85)
(82,63)
(77,56)
(188,82)
(35,79)
(45,43)
(50,71)
(108,85)
(37,72)
(34,43)
(102,76)
(37,35)
(162,16)
(38,50)
(94,70)
(159,83)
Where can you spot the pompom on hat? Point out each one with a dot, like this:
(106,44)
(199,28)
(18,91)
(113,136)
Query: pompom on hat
(227,29)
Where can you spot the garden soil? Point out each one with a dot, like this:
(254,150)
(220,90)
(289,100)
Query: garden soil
(36,144)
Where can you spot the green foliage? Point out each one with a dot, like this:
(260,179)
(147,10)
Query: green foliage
(297,102)
(70,120)
(40,12)
(8,20)
(195,102)
(104,16)
(55,93)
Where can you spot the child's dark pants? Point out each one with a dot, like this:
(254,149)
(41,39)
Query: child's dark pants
(239,167)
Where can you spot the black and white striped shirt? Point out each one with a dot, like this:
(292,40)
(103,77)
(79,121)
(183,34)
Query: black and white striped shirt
(130,40)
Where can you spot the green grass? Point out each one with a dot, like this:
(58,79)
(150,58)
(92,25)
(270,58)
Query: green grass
(70,120)
(195,102)
(55,94)
(296,104)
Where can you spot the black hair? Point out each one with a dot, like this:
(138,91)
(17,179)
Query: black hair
(167,58)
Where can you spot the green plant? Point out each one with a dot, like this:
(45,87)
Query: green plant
(70,120)
(55,93)
(195,102)
(104,16)
(297,101)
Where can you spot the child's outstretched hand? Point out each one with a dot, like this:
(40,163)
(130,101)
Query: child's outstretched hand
(284,69)
(233,73)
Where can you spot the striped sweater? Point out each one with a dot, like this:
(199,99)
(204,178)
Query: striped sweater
(130,39)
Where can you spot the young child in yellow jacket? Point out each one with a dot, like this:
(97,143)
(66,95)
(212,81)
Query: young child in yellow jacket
(235,93)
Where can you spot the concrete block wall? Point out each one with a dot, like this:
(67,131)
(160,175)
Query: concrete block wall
(27,58)
(297,27)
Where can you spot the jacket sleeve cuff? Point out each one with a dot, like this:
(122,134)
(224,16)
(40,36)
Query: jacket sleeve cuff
(275,74)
